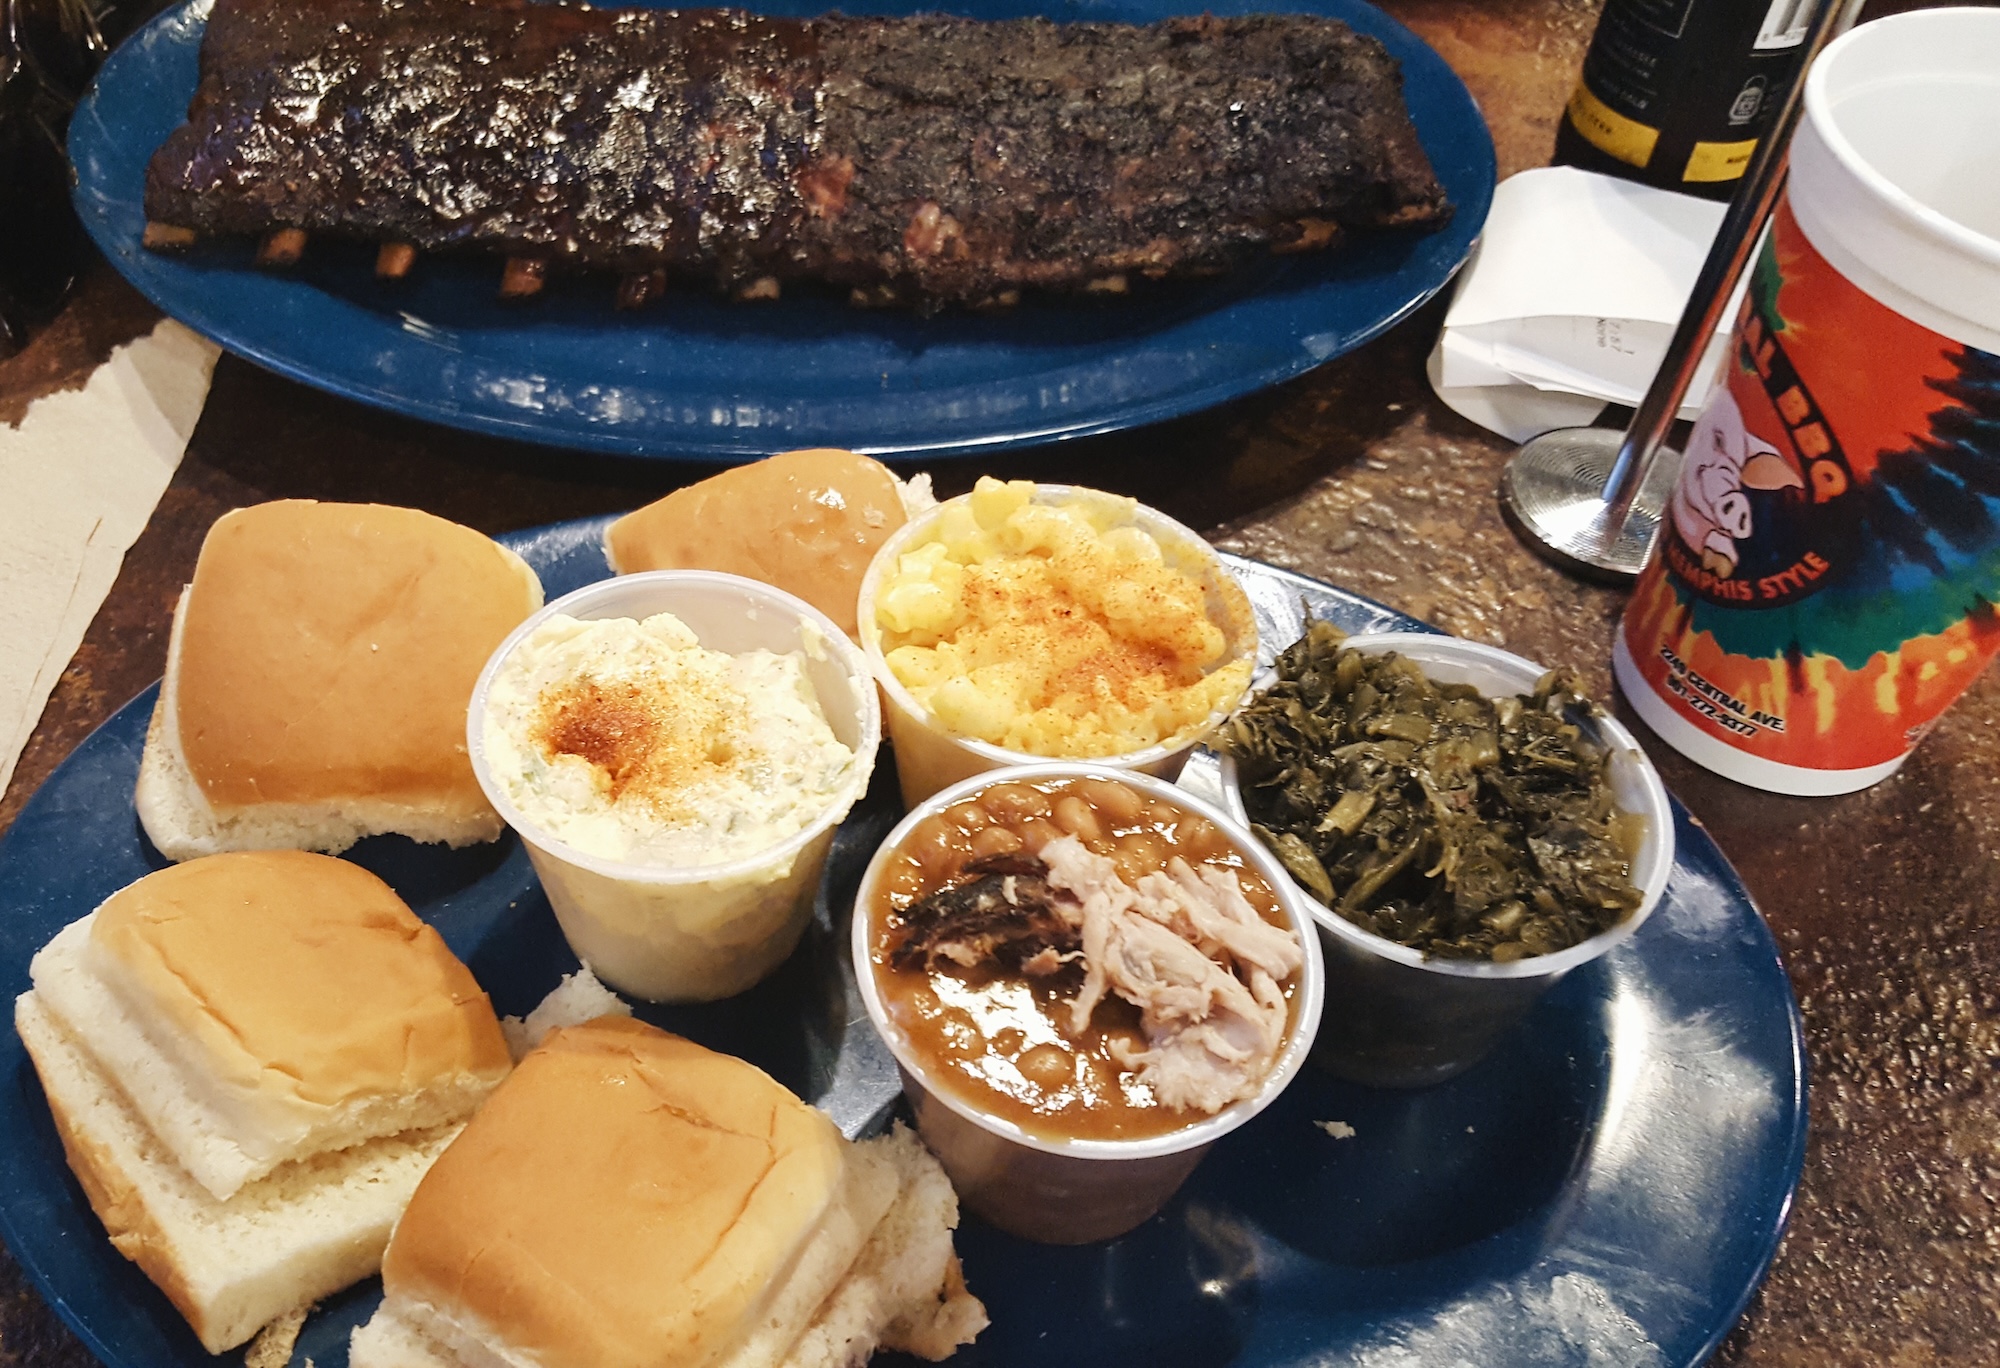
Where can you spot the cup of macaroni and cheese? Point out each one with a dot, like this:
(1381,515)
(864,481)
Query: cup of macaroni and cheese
(675,750)
(1024,622)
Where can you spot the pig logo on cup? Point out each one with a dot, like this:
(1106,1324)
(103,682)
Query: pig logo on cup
(1756,521)
(1712,511)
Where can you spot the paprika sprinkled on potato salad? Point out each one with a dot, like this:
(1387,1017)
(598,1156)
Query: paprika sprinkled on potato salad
(631,741)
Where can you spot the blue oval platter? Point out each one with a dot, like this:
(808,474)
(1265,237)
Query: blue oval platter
(702,378)
(1605,1191)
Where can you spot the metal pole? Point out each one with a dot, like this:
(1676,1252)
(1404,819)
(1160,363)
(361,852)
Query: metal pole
(1556,487)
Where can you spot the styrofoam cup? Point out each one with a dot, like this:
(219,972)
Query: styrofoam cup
(1820,592)
(1396,1018)
(1058,1191)
(701,932)
(1895,169)
(929,755)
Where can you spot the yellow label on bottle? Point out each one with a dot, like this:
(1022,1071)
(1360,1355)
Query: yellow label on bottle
(1713,161)
(1609,131)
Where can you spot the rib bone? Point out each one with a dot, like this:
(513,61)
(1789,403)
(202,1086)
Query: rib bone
(166,237)
(523,276)
(282,247)
(393,262)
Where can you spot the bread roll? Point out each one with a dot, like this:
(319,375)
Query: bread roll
(251,1059)
(317,680)
(258,1007)
(277,1246)
(629,1197)
(806,521)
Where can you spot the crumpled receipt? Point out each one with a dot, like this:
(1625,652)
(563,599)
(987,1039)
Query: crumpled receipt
(1570,300)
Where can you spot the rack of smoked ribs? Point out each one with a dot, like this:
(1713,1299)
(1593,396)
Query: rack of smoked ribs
(925,161)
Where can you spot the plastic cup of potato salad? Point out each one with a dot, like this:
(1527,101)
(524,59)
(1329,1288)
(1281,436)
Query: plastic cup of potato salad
(1046,1187)
(687,929)
(1398,1019)
(931,753)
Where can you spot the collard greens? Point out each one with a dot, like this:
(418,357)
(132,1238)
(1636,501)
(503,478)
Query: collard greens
(1462,826)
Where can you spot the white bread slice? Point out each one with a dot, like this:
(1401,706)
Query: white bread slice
(272,1348)
(903,1291)
(163,1084)
(868,1191)
(580,997)
(392,1339)
(916,494)
(182,821)
(256,1007)
(280,1244)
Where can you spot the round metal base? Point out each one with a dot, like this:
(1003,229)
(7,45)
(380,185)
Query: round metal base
(1553,492)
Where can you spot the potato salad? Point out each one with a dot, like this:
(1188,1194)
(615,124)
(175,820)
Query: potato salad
(630,741)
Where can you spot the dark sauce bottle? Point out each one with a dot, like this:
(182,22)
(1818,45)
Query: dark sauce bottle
(1676,93)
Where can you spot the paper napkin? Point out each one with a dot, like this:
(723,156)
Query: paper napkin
(1570,300)
(81,475)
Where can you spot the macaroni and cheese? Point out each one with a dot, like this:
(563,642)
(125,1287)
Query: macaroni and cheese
(1058,630)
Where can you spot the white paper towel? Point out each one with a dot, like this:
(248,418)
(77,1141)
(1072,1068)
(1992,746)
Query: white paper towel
(1570,301)
(78,479)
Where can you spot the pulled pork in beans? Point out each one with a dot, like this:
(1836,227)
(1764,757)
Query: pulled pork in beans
(1007,915)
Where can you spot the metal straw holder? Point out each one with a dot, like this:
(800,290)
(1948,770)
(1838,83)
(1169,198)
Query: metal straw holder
(1591,499)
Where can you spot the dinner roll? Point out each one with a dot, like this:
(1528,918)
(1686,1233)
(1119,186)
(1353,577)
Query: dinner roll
(630,1197)
(317,680)
(251,1059)
(806,521)
(258,1007)
(279,1245)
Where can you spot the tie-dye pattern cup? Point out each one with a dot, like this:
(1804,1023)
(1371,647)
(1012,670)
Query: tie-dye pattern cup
(1826,581)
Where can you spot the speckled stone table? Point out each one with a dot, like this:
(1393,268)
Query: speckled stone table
(1886,903)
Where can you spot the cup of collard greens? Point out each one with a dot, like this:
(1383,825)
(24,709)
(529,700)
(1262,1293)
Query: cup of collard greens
(1465,826)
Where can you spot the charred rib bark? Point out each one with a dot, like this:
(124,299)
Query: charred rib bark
(922,160)
(1006,916)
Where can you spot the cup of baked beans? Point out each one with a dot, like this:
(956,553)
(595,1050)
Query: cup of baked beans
(1025,622)
(1087,976)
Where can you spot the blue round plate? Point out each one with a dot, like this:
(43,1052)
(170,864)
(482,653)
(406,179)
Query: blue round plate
(1605,1192)
(700,377)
